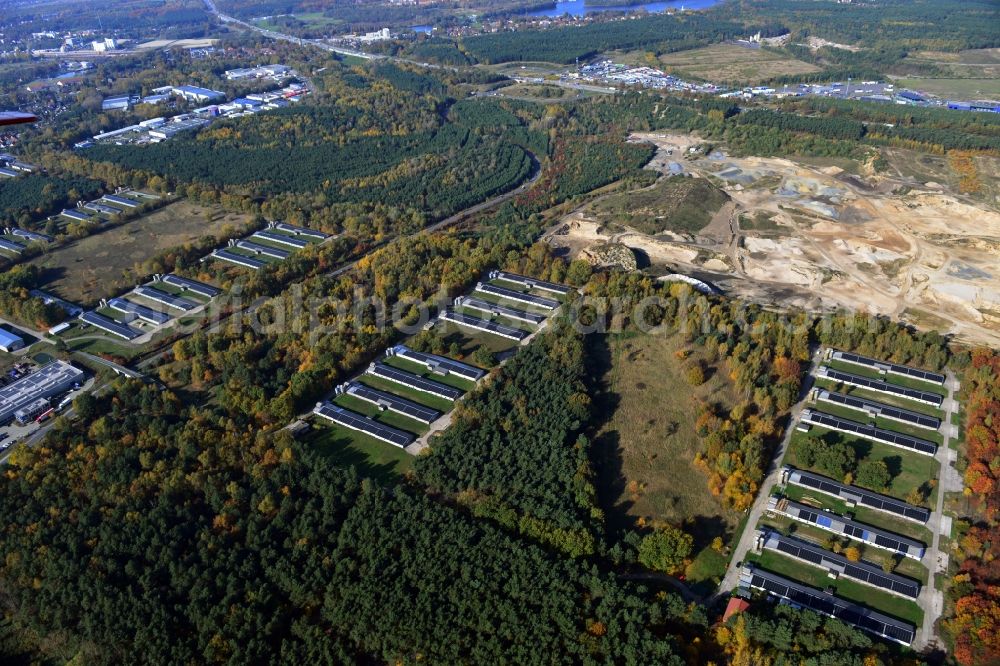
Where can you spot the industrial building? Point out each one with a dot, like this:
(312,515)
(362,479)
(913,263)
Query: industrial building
(530,282)
(354,421)
(121,201)
(196,94)
(172,129)
(98,207)
(853,495)
(50,380)
(186,284)
(282,239)
(495,309)
(298,231)
(28,413)
(869,432)
(393,403)
(439,365)
(75,215)
(877,409)
(8,173)
(11,246)
(263,250)
(154,294)
(10,342)
(32,236)
(141,311)
(484,325)
(239,259)
(512,295)
(109,325)
(794,593)
(52,299)
(838,565)
(839,525)
(415,382)
(880,386)
(885,367)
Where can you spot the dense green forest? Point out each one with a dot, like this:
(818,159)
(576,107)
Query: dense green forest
(515,447)
(564,45)
(25,199)
(187,542)
(429,154)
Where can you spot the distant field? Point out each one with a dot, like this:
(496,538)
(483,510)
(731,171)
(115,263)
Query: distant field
(104,264)
(728,63)
(646,447)
(963,88)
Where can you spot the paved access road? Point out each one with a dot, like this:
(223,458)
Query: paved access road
(749,536)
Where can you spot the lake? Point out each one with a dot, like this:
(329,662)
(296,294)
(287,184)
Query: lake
(579,8)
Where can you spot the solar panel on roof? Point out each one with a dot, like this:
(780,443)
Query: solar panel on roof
(869,432)
(170,300)
(415,381)
(483,325)
(434,361)
(881,385)
(355,421)
(110,325)
(886,411)
(263,250)
(239,259)
(862,571)
(495,308)
(828,604)
(866,497)
(896,368)
(526,281)
(140,311)
(512,295)
(866,533)
(393,402)
(192,285)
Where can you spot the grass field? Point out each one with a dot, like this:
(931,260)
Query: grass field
(729,63)
(391,419)
(909,470)
(644,450)
(678,204)
(469,340)
(405,392)
(104,264)
(845,588)
(347,448)
(956,88)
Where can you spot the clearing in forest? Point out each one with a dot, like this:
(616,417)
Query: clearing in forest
(729,63)
(645,447)
(678,204)
(105,263)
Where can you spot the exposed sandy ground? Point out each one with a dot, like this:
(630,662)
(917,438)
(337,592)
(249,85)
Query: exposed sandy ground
(922,255)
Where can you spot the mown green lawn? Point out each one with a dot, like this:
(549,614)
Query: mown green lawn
(369,456)
(910,471)
(387,417)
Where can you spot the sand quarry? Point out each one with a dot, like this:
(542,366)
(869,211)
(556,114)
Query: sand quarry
(795,235)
